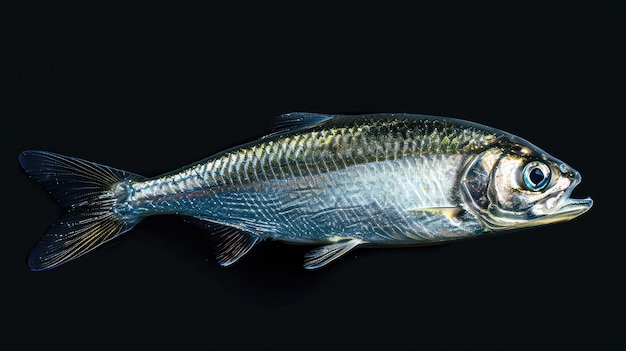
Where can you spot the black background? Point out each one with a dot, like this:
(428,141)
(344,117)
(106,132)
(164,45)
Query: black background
(152,86)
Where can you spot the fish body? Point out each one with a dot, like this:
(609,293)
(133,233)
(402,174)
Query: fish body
(338,181)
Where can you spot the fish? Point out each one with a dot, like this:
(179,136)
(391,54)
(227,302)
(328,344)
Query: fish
(336,182)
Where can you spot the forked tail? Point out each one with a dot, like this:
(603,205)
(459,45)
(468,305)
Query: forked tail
(89,193)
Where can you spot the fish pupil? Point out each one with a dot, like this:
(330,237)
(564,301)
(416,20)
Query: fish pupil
(536,176)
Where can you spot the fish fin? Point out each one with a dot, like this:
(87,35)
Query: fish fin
(231,243)
(324,255)
(290,122)
(448,211)
(86,190)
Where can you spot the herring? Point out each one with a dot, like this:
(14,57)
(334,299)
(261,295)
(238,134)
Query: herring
(339,181)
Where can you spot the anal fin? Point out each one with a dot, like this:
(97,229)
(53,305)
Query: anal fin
(232,244)
(324,255)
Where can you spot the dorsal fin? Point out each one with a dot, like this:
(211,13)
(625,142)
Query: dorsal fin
(293,121)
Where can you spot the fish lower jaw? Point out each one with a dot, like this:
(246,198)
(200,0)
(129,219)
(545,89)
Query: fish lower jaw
(576,205)
(567,209)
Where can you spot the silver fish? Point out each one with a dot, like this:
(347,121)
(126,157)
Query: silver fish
(341,181)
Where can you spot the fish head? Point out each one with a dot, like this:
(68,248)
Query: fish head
(514,184)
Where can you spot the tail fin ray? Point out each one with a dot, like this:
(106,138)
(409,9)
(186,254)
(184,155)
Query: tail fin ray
(86,190)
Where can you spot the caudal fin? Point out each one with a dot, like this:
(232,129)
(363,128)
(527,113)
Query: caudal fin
(88,192)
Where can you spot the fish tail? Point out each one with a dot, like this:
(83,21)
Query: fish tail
(90,193)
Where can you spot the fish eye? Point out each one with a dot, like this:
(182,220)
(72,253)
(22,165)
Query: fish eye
(536,175)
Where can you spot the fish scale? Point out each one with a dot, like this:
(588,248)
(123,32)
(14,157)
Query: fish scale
(365,147)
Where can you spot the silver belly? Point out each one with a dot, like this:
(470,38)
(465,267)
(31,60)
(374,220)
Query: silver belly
(378,202)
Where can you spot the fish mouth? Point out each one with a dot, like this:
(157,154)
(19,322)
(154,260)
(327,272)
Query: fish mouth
(561,207)
(570,209)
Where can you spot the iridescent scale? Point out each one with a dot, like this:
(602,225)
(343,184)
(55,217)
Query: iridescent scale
(376,178)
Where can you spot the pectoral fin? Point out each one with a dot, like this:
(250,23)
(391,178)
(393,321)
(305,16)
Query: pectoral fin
(324,255)
(450,212)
